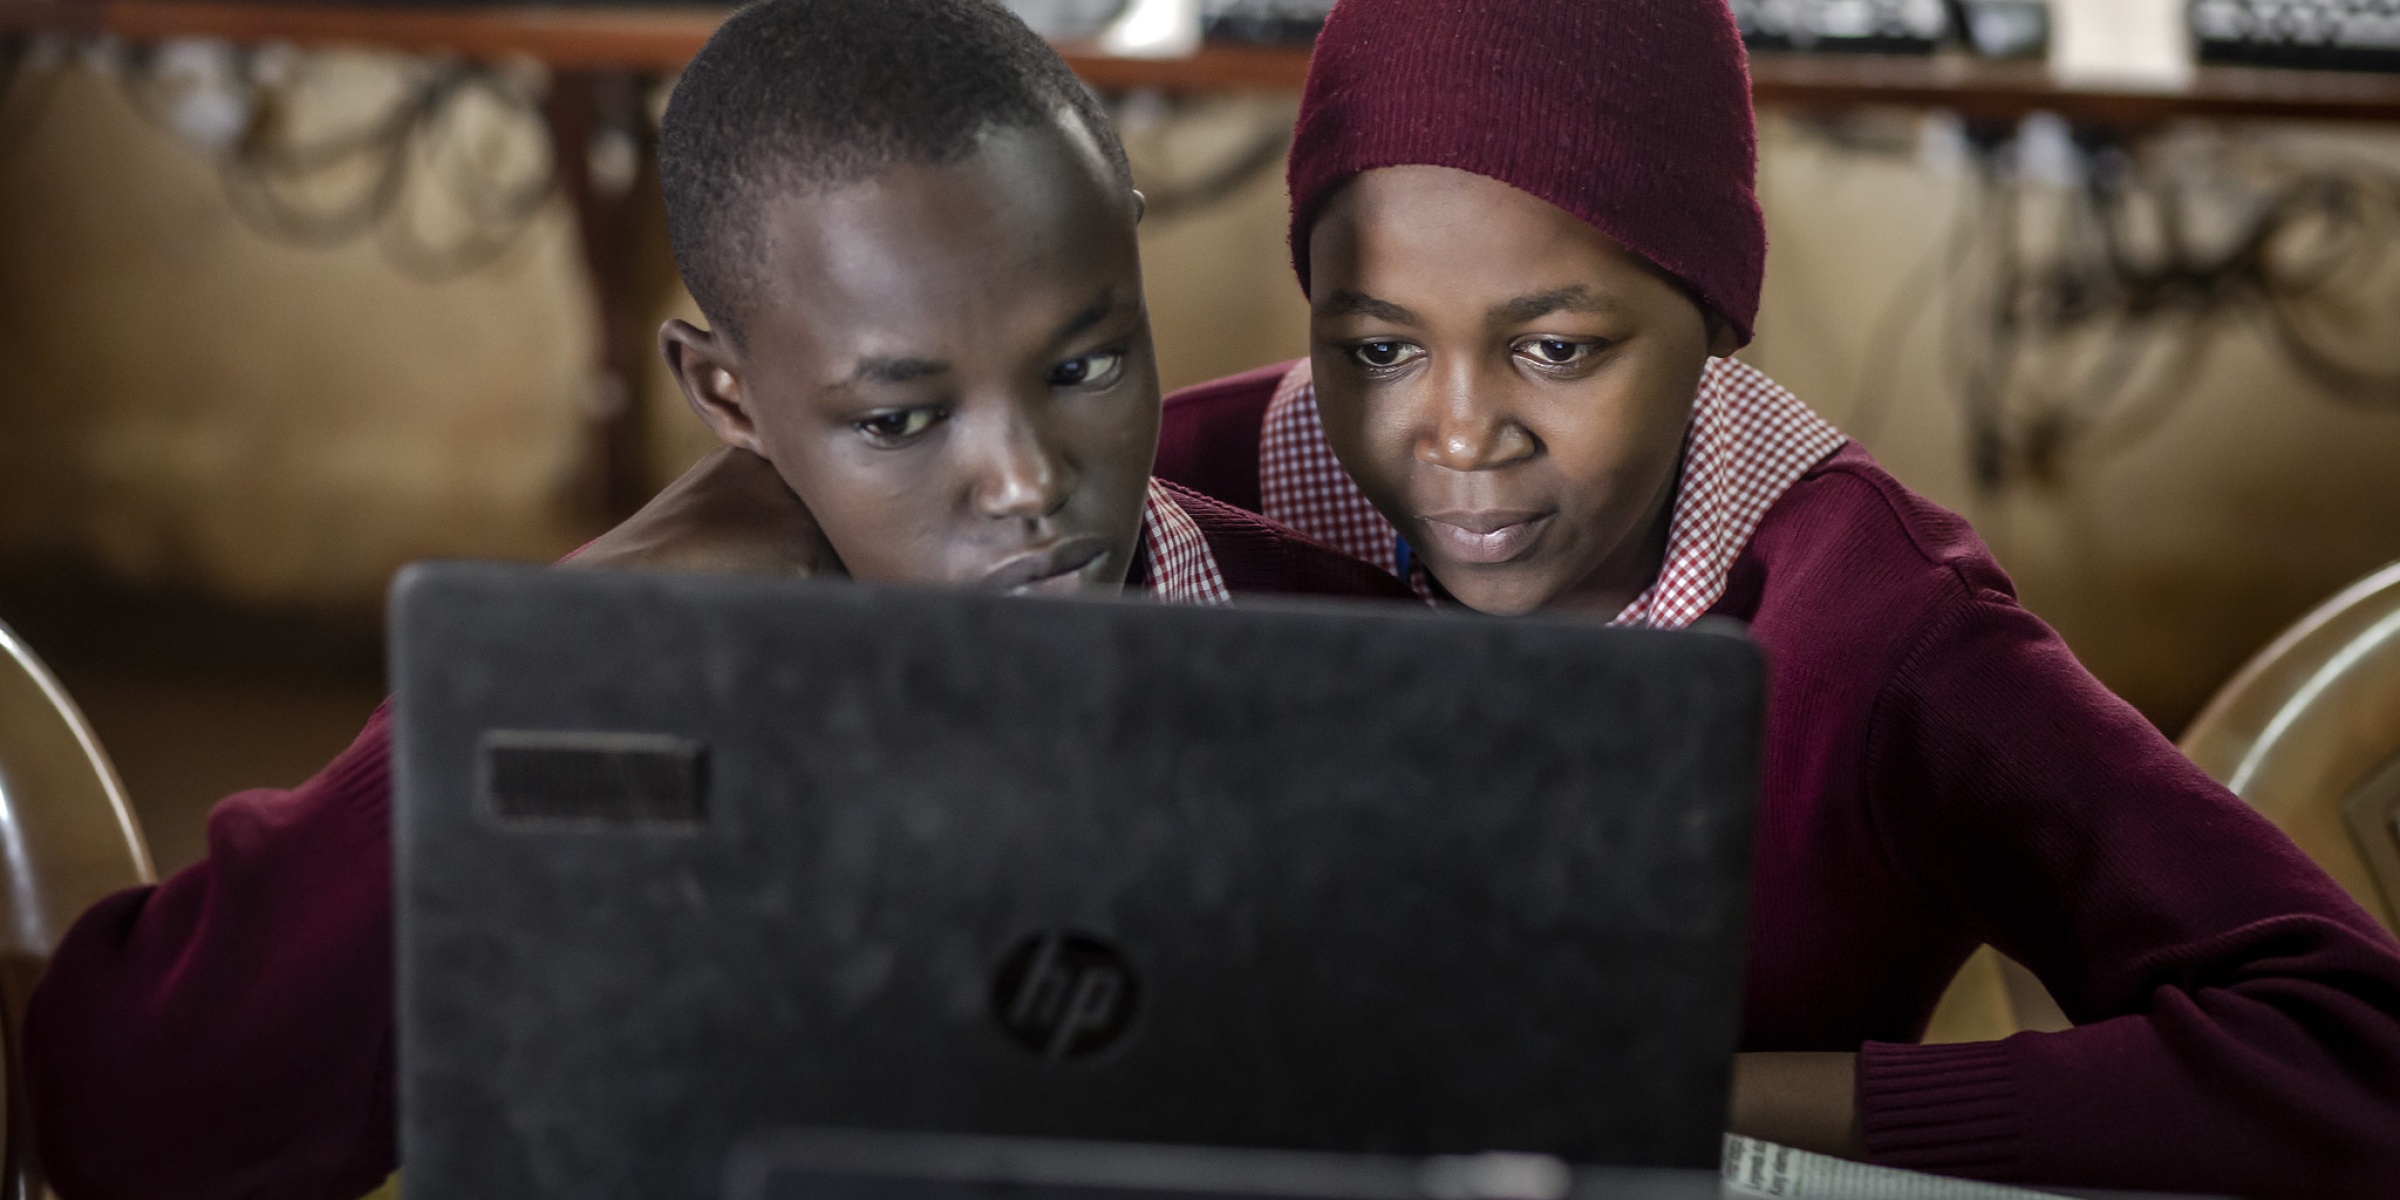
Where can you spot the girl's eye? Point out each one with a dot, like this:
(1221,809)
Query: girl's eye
(899,426)
(1556,352)
(1090,371)
(1383,356)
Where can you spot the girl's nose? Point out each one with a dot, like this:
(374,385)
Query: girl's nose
(1471,441)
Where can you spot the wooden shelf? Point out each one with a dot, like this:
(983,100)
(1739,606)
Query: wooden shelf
(639,39)
(661,40)
(2007,90)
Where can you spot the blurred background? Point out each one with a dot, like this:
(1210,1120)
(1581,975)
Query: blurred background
(292,295)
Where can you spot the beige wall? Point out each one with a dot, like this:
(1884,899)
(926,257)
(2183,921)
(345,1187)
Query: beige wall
(2165,565)
(188,404)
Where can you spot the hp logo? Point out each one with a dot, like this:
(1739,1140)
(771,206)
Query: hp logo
(1064,995)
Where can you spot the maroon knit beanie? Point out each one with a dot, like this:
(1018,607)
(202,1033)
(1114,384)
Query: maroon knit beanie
(1631,114)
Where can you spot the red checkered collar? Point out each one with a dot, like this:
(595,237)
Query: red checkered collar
(1748,442)
(1176,563)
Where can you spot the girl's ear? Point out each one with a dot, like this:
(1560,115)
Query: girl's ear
(709,372)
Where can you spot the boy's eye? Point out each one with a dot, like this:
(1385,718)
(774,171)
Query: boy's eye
(1090,371)
(1384,355)
(1556,352)
(899,426)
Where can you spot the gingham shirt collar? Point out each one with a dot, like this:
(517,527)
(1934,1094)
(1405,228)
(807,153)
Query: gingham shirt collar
(1176,560)
(1748,442)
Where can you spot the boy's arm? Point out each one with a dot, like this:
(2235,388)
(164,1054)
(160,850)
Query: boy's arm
(228,1033)
(729,513)
(2238,1017)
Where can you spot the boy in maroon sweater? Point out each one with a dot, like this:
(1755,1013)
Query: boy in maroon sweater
(1528,234)
(912,230)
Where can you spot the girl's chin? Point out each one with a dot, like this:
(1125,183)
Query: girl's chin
(1506,590)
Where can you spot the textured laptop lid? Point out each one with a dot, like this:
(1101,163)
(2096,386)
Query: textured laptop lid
(683,859)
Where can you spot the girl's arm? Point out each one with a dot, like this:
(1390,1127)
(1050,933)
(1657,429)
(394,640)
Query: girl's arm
(1807,1100)
(2238,1017)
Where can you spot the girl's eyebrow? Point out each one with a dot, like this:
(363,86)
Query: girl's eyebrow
(1347,303)
(1575,298)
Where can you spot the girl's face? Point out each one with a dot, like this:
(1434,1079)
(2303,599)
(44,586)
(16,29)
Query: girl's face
(1505,382)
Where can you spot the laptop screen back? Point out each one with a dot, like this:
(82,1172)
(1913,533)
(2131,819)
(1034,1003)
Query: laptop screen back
(685,859)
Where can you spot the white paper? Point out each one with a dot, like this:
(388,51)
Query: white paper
(2137,44)
(1155,29)
(1762,1169)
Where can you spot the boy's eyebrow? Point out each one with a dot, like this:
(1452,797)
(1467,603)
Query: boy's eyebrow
(1573,298)
(1347,303)
(876,369)
(879,369)
(1092,314)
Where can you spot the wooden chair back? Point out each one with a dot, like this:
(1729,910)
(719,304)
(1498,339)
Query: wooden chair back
(67,838)
(2309,734)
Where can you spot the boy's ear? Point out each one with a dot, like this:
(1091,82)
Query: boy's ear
(1141,204)
(709,372)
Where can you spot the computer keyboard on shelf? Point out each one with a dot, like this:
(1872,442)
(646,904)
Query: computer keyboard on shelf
(1995,28)
(1866,26)
(2352,35)
(1271,22)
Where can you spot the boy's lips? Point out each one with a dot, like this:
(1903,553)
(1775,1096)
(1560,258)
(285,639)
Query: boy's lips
(1056,567)
(1483,536)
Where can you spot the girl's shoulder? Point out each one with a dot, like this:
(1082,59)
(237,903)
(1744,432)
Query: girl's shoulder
(1259,556)
(1851,566)
(1848,527)
(1208,434)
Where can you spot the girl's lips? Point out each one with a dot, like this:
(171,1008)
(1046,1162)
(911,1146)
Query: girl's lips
(1484,537)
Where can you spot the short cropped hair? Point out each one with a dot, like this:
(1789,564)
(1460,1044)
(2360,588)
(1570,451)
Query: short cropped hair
(803,96)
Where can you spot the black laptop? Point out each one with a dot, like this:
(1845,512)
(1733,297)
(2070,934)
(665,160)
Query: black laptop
(853,1164)
(685,861)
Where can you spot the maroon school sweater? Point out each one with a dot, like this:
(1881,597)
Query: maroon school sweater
(1940,772)
(229,1033)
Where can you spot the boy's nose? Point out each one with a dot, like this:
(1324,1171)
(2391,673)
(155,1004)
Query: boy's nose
(1024,478)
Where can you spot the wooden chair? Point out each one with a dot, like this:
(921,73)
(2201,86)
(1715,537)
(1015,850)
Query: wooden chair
(67,838)
(1991,997)
(2308,733)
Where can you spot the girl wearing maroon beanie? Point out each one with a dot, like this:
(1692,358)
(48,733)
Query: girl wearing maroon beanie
(1529,237)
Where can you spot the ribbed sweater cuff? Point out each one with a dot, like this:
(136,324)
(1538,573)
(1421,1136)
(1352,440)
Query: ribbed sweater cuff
(1949,1109)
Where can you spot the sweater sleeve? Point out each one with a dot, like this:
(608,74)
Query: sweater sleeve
(2237,1015)
(229,1032)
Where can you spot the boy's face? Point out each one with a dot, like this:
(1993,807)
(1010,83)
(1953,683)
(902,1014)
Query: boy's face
(1506,383)
(951,367)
